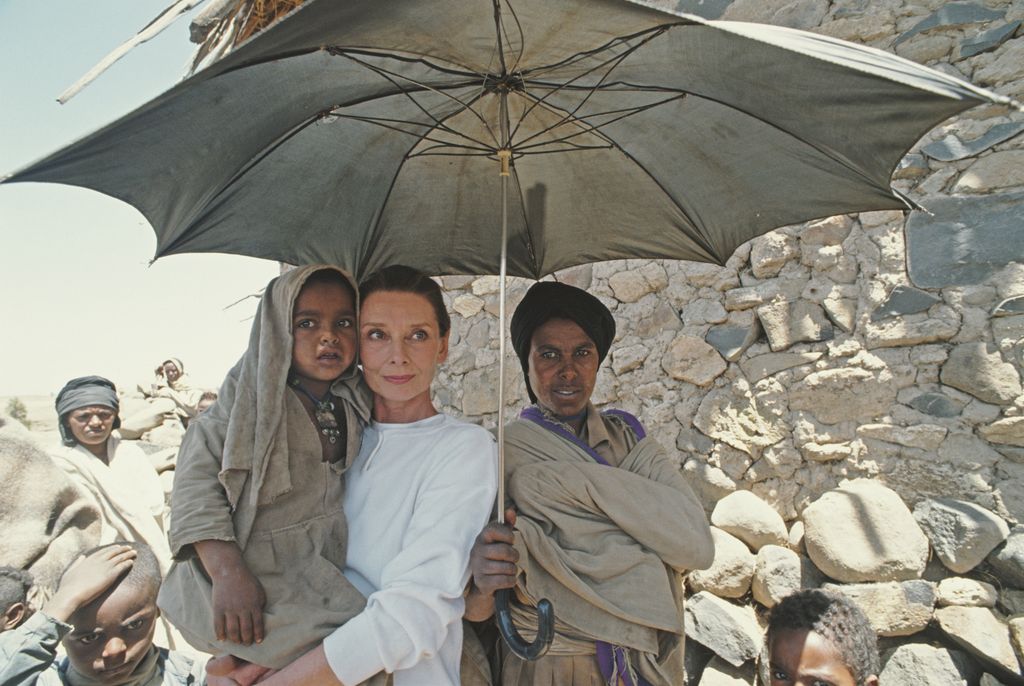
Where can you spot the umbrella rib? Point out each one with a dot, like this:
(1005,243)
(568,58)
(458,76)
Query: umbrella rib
(393,78)
(522,43)
(696,236)
(823,151)
(587,127)
(613,61)
(382,122)
(496,4)
(654,30)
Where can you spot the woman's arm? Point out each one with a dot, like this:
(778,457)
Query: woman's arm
(421,591)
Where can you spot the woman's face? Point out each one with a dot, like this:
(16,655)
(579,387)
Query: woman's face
(563,366)
(400,346)
(91,425)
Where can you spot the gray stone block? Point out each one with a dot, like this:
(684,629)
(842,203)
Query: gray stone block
(987,40)
(937,405)
(952,14)
(730,341)
(966,241)
(1007,561)
(952,148)
(904,300)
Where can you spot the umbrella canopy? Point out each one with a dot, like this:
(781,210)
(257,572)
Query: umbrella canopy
(366,133)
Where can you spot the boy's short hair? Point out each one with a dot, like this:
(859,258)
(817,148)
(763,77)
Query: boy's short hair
(144,573)
(838,620)
(14,587)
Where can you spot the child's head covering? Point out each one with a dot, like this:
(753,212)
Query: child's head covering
(85,391)
(251,401)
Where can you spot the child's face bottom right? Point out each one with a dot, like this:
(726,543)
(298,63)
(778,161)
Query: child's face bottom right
(805,658)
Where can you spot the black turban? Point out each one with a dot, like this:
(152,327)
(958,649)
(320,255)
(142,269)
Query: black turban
(552,300)
(85,391)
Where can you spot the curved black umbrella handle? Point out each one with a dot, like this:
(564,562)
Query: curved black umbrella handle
(545,627)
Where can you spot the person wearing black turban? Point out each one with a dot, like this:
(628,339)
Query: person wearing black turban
(586,485)
(547,300)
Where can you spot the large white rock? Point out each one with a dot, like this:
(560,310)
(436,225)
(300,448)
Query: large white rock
(1006,431)
(975,369)
(917,664)
(778,572)
(958,590)
(924,436)
(961,533)
(862,532)
(690,359)
(750,519)
(788,322)
(770,252)
(731,631)
(979,632)
(837,395)
(996,170)
(730,574)
(734,416)
(629,286)
(893,608)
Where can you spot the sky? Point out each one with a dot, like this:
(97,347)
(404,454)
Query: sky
(79,295)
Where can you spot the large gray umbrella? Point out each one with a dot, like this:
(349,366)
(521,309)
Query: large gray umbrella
(370,132)
(366,132)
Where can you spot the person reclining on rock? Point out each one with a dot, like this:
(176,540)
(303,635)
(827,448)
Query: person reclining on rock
(605,522)
(815,637)
(168,402)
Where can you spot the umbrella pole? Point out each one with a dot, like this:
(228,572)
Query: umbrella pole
(545,610)
(504,156)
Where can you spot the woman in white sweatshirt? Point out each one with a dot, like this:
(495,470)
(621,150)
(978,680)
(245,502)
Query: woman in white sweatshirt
(420,490)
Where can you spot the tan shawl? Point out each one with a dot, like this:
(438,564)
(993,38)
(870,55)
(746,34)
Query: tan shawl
(593,540)
(127,492)
(45,520)
(234,457)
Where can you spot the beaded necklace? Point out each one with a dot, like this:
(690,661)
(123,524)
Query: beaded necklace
(323,412)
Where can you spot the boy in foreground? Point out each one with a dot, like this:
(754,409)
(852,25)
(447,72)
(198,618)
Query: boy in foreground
(820,639)
(104,611)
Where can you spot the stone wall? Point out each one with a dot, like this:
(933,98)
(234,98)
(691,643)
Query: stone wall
(873,345)
(845,395)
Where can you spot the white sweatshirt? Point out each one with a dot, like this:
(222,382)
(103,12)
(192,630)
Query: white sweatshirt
(415,498)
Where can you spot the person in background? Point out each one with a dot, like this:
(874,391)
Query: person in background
(815,637)
(116,474)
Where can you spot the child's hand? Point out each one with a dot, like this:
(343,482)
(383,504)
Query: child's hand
(87,578)
(238,600)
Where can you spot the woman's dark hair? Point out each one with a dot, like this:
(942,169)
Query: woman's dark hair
(401,279)
(835,618)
